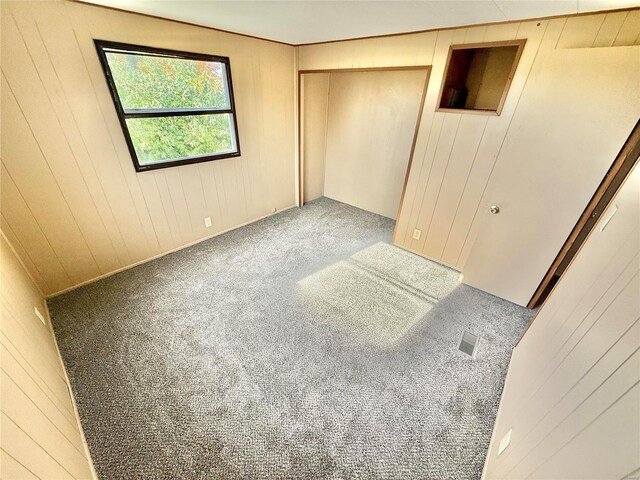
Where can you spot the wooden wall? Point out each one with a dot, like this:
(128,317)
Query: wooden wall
(315,104)
(575,113)
(72,204)
(455,155)
(40,434)
(370,129)
(572,395)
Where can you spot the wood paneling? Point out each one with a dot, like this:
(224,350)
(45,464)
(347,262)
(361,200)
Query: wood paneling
(315,103)
(453,171)
(40,433)
(370,128)
(572,395)
(552,162)
(71,199)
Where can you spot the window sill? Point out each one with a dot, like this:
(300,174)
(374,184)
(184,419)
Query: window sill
(185,161)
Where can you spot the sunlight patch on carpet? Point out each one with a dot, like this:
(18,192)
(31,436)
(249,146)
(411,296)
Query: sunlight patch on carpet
(377,295)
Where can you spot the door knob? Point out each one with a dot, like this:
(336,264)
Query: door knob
(494,209)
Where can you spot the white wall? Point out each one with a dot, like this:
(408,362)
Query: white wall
(575,113)
(72,204)
(370,128)
(452,172)
(315,104)
(40,434)
(358,129)
(572,395)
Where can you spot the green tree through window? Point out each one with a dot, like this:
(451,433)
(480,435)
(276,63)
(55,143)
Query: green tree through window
(174,107)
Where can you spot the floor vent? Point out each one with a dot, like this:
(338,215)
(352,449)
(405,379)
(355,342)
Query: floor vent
(469,344)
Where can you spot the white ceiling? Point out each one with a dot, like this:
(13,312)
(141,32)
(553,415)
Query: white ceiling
(299,22)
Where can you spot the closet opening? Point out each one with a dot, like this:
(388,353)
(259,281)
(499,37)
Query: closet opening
(358,131)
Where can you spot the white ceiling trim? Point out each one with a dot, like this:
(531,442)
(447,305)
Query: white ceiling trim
(300,22)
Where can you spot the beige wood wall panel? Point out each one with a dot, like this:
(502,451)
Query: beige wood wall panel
(438,137)
(629,33)
(12,469)
(478,201)
(617,28)
(370,128)
(609,29)
(453,173)
(40,462)
(27,167)
(581,31)
(314,132)
(68,164)
(459,229)
(18,220)
(572,396)
(39,432)
(495,75)
(538,191)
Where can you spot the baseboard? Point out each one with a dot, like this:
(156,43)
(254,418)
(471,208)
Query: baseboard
(76,412)
(173,250)
(415,252)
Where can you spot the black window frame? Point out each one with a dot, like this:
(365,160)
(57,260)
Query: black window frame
(103,45)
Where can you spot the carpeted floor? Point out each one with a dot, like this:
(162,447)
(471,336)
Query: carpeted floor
(302,346)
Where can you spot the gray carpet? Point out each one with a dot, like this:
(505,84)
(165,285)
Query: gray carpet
(302,346)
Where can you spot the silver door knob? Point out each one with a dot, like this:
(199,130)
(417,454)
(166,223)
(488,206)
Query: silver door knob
(494,209)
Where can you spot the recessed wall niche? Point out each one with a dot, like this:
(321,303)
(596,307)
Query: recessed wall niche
(477,76)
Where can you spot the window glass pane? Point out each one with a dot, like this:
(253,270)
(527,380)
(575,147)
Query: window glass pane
(146,81)
(158,139)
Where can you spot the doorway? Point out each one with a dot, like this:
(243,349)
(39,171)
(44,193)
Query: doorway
(598,205)
(357,134)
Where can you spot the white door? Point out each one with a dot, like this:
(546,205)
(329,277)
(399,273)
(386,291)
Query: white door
(576,111)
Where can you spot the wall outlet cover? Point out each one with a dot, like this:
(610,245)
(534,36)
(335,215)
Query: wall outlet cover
(207,222)
(504,443)
(416,234)
(39,315)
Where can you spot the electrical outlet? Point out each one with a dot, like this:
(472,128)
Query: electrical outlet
(207,222)
(504,443)
(39,315)
(416,234)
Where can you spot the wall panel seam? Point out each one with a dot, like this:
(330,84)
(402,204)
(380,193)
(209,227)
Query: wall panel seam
(110,135)
(506,133)
(585,427)
(18,462)
(591,393)
(35,348)
(91,163)
(442,180)
(64,133)
(550,374)
(26,251)
(40,149)
(34,441)
(55,401)
(39,227)
(44,414)
(430,127)
(464,187)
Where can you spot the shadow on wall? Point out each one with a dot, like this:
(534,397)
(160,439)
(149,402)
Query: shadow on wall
(378,294)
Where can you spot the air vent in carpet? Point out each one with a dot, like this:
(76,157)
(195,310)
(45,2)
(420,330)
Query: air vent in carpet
(468,344)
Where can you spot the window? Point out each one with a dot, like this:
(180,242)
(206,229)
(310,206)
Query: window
(174,107)
(477,76)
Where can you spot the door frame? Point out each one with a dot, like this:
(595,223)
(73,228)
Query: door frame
(593,210)
(300,179)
